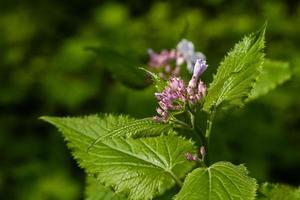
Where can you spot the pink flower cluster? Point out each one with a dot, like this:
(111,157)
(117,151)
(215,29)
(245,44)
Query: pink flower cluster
(172,98)
(176,94)
(168,63)
(194,157)
(162,62)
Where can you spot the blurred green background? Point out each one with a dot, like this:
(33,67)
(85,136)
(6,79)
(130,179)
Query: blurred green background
(47,68)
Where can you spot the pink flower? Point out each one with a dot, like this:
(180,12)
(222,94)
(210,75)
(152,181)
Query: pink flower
(172,98)
(175,95)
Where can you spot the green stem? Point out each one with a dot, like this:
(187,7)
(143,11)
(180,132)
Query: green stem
(209,122)
(175,120)
(177,180)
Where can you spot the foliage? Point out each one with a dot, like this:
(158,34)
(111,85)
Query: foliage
(143,167)
(237,74)
(278,192)
(273,73)
(222,180)
(144,158)
(46,69)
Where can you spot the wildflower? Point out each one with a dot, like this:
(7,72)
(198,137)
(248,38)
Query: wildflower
(172,98)
(190,157)
(162,62)
(187,50)
(175,95)
(197,93)
(202,151)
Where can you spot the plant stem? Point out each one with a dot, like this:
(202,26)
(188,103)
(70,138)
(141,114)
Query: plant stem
(179,183)
(209,122)
(173,119)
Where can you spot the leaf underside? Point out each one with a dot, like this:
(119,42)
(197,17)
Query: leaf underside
(220,181)
(237,73)
(142,168)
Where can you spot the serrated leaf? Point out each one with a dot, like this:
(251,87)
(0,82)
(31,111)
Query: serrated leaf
(159,83)
(143,167)
(124,126)
(278,192)
(273,74)
(96,191)
(222,180)
(237,73)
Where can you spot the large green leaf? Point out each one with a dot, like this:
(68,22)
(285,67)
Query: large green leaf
(96,191)
(273,73)
(143,167)
(237,74)
(221,181)
(278,192)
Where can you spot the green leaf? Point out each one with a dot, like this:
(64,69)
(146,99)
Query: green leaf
(237,73)
(273,74)
(124,126)
(143,167)
(159,83)
(96,191)
(278,192)
(222,180)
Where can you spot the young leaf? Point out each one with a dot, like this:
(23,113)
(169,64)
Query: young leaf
(96,191)
(222,180)
(143,167)
(237,73)
(278,192)
(273,74)
(159,83)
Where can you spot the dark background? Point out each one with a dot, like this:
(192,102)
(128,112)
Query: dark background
(47,68)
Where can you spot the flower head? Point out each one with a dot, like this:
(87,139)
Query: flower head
(199,68)
(197,89)
(176,94)
(162,62)
(186,49)
(190,157)
(172,98)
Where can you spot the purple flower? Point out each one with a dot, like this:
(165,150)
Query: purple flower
(199,68)
(186,49)
(190,157)
(172,98)
(197,89)
(162,63)
(158,60)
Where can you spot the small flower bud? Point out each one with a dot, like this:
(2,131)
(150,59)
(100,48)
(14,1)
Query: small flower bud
(199,68)
(202,151)
(189,156)
(201,88)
